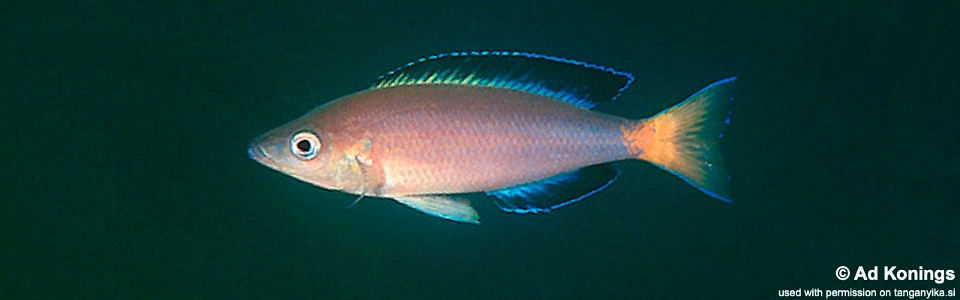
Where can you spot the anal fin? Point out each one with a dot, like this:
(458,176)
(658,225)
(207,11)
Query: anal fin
(444,206)
(554,192)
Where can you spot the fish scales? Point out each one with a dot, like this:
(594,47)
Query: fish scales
(421,140)
(515,126)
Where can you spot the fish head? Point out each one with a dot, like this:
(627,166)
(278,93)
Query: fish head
(317,154)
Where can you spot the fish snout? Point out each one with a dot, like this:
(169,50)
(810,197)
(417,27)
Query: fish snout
(257,153)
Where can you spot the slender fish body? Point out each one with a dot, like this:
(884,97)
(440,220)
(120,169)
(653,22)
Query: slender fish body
(446,139)
(501,123)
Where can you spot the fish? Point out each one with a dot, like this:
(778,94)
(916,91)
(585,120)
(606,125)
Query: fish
(516,128)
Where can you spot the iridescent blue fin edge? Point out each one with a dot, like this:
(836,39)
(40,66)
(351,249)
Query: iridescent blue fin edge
(579,83)
(555,192)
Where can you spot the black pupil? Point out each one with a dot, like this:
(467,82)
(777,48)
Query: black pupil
(304,146)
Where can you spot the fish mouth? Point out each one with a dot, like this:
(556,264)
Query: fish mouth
(257,153)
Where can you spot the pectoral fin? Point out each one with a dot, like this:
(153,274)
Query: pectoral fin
(356,172)
(443,206)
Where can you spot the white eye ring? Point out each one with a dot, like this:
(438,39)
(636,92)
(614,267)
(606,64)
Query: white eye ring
(305,145)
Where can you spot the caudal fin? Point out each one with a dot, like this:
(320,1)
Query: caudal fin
(685,139)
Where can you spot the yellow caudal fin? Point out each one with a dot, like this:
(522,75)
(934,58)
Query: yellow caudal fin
(685,139)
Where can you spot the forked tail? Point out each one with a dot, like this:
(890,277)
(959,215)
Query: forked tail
(685,139)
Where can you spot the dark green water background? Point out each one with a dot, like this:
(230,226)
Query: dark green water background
(124,172)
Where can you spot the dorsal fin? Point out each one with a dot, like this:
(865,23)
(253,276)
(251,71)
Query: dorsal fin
(554,192)
(575,82)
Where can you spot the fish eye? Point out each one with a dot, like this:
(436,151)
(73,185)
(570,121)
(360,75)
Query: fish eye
(304,145)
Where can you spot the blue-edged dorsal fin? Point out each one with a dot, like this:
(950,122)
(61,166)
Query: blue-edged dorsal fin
(578,83)
(554,192)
